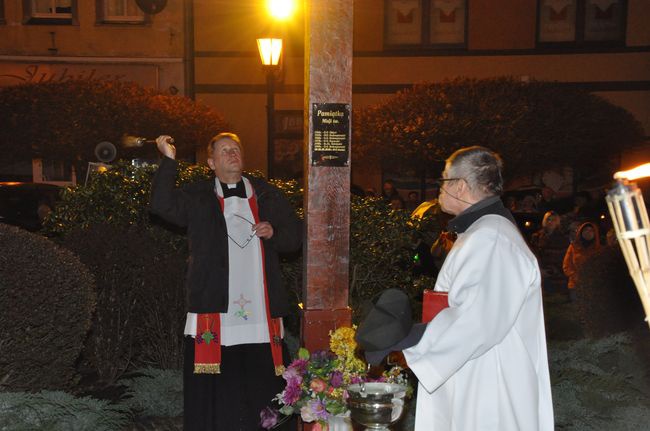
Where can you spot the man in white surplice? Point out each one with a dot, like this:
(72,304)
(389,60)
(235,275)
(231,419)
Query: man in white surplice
(482,362)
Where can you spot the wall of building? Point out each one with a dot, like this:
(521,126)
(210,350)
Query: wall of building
(150,53)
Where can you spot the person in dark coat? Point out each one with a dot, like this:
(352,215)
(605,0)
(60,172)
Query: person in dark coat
(236,228)
(550,244)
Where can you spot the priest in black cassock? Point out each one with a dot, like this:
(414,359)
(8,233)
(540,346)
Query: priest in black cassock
(236,227)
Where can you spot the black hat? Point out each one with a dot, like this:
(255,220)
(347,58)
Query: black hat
(388,327)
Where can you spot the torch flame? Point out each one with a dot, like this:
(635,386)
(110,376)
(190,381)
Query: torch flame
(641,171)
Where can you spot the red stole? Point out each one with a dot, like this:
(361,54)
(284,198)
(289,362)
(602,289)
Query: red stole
(207,343)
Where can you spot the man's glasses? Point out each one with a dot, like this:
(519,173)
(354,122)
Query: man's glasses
(441,181)
(243,242)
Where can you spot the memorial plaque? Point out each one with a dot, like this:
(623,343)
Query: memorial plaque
(331,134)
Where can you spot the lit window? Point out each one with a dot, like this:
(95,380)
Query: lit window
(120,11)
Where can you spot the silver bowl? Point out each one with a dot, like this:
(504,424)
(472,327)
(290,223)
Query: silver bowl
(376,405)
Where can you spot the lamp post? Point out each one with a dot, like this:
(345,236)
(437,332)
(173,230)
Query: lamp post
(270,51)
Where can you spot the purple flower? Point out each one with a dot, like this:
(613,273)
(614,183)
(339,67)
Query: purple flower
(317,407)
(300,365)
(292,375)
(291,393)
(314,410)
(336,379)
(356,379)
(269,417)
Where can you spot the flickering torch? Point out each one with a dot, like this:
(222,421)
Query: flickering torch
(630,218)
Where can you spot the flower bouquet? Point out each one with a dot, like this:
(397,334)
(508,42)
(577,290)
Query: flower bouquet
(316,383)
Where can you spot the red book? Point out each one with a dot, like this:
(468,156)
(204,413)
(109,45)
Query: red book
(432,304)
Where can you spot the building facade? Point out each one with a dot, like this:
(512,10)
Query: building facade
(206,49)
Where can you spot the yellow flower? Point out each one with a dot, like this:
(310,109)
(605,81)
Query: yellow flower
(342,341)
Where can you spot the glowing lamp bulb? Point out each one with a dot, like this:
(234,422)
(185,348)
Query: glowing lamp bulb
(280,9)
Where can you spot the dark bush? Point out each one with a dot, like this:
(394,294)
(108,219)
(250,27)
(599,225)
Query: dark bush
(122,257)
(139,266)
(140,297)
(74,116)
(46,301)
(607,298)
(534,125)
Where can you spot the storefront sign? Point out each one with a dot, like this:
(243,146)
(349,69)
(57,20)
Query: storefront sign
(19,73)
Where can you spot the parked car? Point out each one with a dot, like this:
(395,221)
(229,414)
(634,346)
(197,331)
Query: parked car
(27,204)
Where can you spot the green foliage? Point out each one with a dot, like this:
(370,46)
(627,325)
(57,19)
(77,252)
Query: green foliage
(58,411)
(599,384)
(74,116)
(380,238)
(46,302)
(154,392)
(534,126)
(381,252)
(140,297)
(118,196)
(293,192)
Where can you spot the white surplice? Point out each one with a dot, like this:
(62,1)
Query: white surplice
(482,362)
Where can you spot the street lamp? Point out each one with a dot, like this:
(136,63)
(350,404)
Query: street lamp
(270,51)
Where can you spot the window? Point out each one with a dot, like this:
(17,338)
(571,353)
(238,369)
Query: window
(120,12)
(581,22)
(50,11)
(425,23)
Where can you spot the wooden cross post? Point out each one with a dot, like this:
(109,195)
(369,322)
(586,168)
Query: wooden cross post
(328,109)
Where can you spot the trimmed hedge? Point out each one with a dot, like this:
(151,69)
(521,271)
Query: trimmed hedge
(66,120)
(140,297)
(46,301)
(535,126)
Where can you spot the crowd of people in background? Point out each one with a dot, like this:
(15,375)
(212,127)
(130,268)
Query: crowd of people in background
(571,230)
